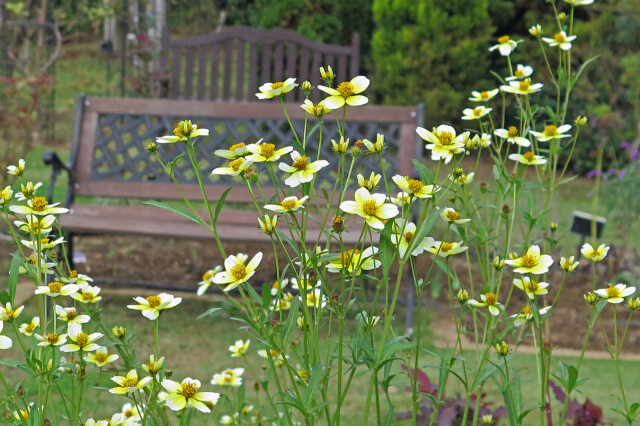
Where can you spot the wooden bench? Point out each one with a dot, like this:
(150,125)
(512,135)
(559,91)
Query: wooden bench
(230,64)
(108,160)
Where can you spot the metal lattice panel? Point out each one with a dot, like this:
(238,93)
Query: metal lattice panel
(120,155)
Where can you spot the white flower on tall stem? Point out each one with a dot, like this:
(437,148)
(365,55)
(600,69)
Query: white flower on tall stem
(505,45)
(229,377)
(475,113)
(354,261)
(484,95)
(522,87)
(151,306)
(443,142)
(531,287)
(402,235)
(288,205)
(236,272)
(561,40)
(528,158)
(615,293)
(531,262)
(522,71)
(371,207)
(594,254)
(276,89)
(301,170)
(511,135)
(347,92)
(552,132)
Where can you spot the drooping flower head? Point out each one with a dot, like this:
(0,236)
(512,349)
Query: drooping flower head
(184,131)
(276,89)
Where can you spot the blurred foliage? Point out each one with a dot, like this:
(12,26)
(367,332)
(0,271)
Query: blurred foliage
(431,51)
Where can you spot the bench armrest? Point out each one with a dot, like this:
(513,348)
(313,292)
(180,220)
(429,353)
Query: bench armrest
(50,158)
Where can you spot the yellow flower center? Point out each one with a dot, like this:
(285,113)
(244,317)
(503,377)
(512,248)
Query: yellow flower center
(207,276)
(300,163)
(453,215)
(408,236)
(277,85)
(33,259)
(9,313)
(154,301)
(369,207)
(130,382)
(526,311)
(267,149)
(415,185)
(531,286)
(55,286)
(100,356)
(38,204)
(52,338)
(183,129)
(529,261)
(484,94)
(519,73)
(529,156)
(239,271)
(288,204)
(82,339)
(235,164)
(236,146)
(71,314)
(559,38)
(504,39)
(446,247)
(86,296)
(524,85)
(349,256)
(612,292)
(73,274)
(491,298)
(445,138)
(189,389)
(550,130)
(477,111)
(311,298)
(44,241)
(30,327)
(512,131)
(345,88)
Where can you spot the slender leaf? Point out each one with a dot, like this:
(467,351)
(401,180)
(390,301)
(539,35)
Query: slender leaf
(219,205)
(13,275)
(175,209)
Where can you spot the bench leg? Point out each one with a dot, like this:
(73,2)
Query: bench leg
(70,251)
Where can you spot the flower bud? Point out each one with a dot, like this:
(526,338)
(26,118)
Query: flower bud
(457,172)
(327,75)
(337,224)
(536,30)
(513,255)
(152,147)
(503,348)
(250,174)
(306,87)
(591,298)
(463,296)
(119,332)
(633,304)
(553,226)
(581,120)
(498,263)
(356,148)
(483,187)
(452,198)
(562,16)
(569,265)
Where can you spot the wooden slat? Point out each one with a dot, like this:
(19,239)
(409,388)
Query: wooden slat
(202,72)
(266,63)
(253,72)
(175,74)
(303,70)
(215,65)
(240,70)
(278,63)
(188,75)
(355,55)
(228,64)
(342,69)
(315,66)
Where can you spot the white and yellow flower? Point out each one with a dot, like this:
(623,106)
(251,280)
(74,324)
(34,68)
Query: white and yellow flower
(266,152)
(402,235)
(535,30)
(229,377)
(36,225)
(101,357)
(17,170)
(576,3)
(594,254)
(371,207)
(277,357)
(526,315)
(374,147)
(450,215)
(315,299)
(483,140)
(81,340)
(277,88)
(301,170)
(288,205)
(354,261)
(131,414)
(184,131)
(235,151)
(522,71)
(531,287)
(28,190)
(7,313)
(28,328)
(279,286)
(402,199)
(522,87)
(55,289)
(464,179)
(552,132)
(341,146)
(38,206)
(207,280)
(615,293)
(70,316)
(511,135)
(236,272)
(484,95)
(5,341)
(45,244)
(239,348)
(234,168)
(347,92)
(51,339)
(151,306)
(304,284)
(129,383)
(561,40)
(154,365)
(87,294)
(569,265)
(528,158)
(370,183)
(532,262)
(317,110)
(505,45)
(443,142)
(187,393)
(475,113)
(5,194)
(446,249)
(489,301)
(415,187)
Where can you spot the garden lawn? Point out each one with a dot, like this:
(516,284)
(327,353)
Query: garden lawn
(198,348)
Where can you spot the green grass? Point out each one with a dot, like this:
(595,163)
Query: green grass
(198,348)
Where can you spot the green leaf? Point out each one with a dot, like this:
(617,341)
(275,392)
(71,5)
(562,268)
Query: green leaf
(219,205)
(291,319)
(4,297)
(266,295)
(314,384)
(10,362)
(387,249)
(582,68)
(13,275)
(425,174)
(209,312)
(176,209)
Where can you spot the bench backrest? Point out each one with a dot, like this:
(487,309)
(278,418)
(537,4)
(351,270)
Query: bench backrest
(232,63)
(109,159)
